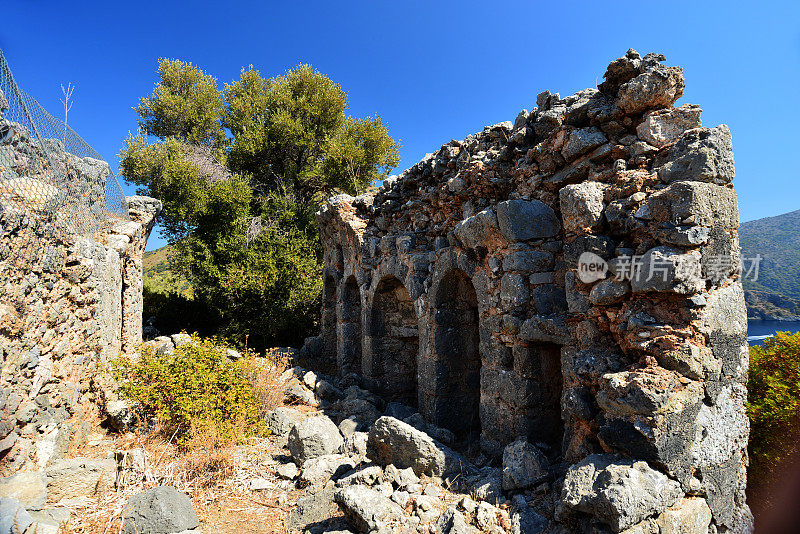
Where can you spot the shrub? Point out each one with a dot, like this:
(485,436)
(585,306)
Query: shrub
(774,404)
(195,390)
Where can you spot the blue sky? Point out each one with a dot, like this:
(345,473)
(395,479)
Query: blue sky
(433,70)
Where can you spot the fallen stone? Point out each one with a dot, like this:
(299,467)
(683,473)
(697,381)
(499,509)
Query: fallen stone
(366,509)
(527,521)
(301,394)
(617,491)
(322,468)
(314,437)
(523,466)
(161,510)
(281,420)
(313,509)
(392,441)
(287,471)
(367,476)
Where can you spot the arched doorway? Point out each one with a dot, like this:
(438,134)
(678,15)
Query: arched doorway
(457,359)
(395,341)
(350,328)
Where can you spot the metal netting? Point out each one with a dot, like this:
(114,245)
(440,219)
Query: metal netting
(50,178)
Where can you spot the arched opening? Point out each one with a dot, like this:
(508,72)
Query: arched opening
(350,328)
(456,356)
(395,341)
(329,317)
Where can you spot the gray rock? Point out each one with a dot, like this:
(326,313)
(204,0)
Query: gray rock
(487,486)
(702,154)
(520,220)
(695,203)
(398,410)
(581,141)
(581,205)
(609,291)
(287,471)
(14,519)
(453,522)
(314,508)
(666,269)
(161,510)
(657,88)
(523,466)
(301,394)
(367,476)
(617,491)
(314,437)
(475,230)
(392,441)
(355,445)
(322,468)
(327,391)
(281,420)
(366,509)
(666,125)
(29,488)
(527,521)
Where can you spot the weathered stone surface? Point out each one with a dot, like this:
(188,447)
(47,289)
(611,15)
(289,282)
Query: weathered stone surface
(665,269)
(581,141)
(701,154)
(394,442)
(523,466)
(14,519)
(80,477)
(666,125)
(695,203)
(609,291)
(688,516)
(581,205)
(617,492)
(366,509)
(314,437)
(527,521)
(322,468)
(161,510)
(657,88)
(30,489)
(281,420)
(314,508)
(474,231)
(520,220)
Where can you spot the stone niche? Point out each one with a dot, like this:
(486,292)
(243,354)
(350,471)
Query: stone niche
(456,289)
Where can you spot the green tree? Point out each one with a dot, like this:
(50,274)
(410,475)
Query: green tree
(774,403)
(240,209)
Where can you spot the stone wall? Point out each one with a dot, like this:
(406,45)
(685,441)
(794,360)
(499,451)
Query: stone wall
(68,301)
(463,287)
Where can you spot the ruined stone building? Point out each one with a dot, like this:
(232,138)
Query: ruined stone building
(465,288)
(69,300)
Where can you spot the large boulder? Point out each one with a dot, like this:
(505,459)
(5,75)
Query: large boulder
(365,509)
(161,510)
(392,441)
(314,437)
(315,508)
(616,491)
(523,466)
(321,469)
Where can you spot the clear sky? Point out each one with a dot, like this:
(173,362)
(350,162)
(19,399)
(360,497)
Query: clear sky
(434,71)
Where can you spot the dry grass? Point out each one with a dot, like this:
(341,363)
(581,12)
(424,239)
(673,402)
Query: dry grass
(265,375)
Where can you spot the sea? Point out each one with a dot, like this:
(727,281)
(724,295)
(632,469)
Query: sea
(758,331)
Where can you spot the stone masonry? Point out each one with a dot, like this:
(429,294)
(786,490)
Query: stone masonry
(463,288)
(68,301)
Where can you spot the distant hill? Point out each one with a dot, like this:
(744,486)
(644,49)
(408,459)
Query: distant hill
(776,293)
(158,275)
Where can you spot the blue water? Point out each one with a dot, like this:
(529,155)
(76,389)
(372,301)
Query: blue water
(756,330)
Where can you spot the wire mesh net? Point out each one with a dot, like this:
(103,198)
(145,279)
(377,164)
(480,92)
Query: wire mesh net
(51,180)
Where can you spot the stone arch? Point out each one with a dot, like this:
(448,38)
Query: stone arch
(394,342)
(456,356)
(329,317)
(349,353)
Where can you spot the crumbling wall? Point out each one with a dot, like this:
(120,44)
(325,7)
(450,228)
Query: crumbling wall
(587,254)
(68,302)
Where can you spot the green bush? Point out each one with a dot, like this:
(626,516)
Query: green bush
(195,390)
(774,404)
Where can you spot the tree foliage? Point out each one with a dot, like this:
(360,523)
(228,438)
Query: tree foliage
(774,403)
(246,237)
